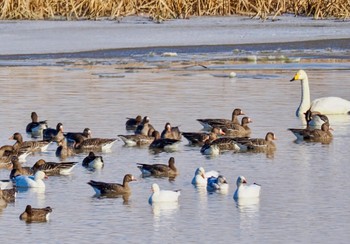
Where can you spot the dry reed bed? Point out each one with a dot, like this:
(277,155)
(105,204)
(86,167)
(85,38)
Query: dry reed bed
(169,9)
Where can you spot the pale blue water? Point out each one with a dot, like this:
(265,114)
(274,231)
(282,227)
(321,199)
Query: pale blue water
(304,195)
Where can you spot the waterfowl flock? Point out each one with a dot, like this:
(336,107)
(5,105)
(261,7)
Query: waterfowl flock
(220,136)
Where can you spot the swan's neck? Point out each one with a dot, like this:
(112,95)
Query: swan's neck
(305,99)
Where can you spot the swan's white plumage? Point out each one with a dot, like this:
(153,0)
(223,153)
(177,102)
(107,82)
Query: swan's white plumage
(246,191)
(324,105)
(163,195)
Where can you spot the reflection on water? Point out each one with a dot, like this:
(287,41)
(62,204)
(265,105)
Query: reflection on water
(101,95)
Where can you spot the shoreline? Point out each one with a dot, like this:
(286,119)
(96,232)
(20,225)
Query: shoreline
(137,33)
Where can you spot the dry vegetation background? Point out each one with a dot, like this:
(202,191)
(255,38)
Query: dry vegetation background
(169,9)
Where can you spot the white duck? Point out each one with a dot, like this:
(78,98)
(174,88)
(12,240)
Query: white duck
(200,177)
(163,195)
(30,181)
(217,184)
(246,191)
(324,105)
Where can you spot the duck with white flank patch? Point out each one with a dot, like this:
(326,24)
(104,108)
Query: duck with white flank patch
(53,168)
(136,140)
(35,214)
(159,170)
(323,135)
(199,138)
(36,127)
(163,143)
(30,146)
(246,191)
(257,144)
(111,189)
(208,124)
(163,195)
(93,161)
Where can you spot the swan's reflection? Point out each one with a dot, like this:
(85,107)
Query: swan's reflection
(248,205)
(164,208)
(35,192)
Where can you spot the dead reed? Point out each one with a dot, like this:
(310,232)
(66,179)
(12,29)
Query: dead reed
(169,9)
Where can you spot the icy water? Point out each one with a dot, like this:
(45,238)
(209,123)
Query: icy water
(304,198)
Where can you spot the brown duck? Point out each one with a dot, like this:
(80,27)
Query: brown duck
(210,123)
(35,214)
(103,188)
(160,170)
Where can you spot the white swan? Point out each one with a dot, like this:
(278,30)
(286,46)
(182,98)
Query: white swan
(324,105)
(200,177)
(30,181)
(246,191)
(163,195)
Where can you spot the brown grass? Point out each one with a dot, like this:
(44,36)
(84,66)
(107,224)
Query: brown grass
(169,9)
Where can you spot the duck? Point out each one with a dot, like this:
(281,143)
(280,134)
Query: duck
(95,144)
(31,146)
(217,184)
(64,150)
(159,170)
(36,127)
(103,188)
(210,123)
(171,132)
(9,195)
(30,181)
(35,214)
(17,168)
(132,123)
(323,135)
(93,161)
(136,140)
(315,119)
(199,138)
(323,105)
(77,136)
(238,130)
(163,195)
(53,168)
(246,191)
(257,144)
(145,128)
(163,143)
(220,145)
(51,134)
(200,177)
(6,153)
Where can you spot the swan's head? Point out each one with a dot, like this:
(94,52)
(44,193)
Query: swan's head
(241,180)
(155,188)
(300,75)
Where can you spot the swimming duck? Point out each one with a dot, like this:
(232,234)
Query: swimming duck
(163,195)
(199,138)
(200,177)
(35,214)
(246,191)
(257,144)
(220,145)
(36,127)
(160,170)
(52,168)
(236,130)
(217,184)
(93,161)
(163,143)
(94,144)
(145,128)
(136,140)
(210,123)
(323,135)
(51,134)
(9,195)
(30,146)
(171,132)
(63,150)
(30,181)
(132,123)
(77,136)
(103,188)
(17,168)
(324,105)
